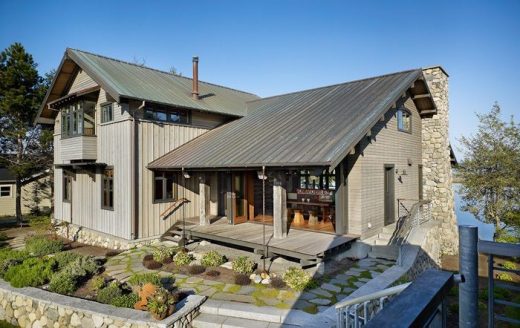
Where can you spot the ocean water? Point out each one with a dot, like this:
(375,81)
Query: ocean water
(485,230)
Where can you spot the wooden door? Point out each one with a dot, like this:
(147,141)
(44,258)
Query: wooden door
(239,192)
(389,194)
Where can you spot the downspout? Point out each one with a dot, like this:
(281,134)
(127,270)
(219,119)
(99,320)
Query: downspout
(134,168)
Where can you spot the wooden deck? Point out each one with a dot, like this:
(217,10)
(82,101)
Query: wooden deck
(300,244)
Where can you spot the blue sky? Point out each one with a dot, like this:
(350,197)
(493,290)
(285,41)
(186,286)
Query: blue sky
(273,47)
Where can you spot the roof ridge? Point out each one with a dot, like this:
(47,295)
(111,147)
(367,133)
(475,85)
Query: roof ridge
(158,70)
(335,85)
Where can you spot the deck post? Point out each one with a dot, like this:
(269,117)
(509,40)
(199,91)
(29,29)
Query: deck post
(279,208)
(204,198)
(341,199)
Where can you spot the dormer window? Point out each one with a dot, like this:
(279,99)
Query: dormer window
(404,120)
(78,119)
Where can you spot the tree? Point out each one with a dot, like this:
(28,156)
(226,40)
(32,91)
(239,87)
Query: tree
(173,70)
(490,172)
(24,148)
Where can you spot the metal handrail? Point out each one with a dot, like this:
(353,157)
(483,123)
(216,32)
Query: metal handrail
(385,292)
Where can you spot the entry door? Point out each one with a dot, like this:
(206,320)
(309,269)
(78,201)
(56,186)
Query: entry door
(389,194)
(239,198)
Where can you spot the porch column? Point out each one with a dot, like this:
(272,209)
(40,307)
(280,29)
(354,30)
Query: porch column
(279,208)
(204,199)
(341,199)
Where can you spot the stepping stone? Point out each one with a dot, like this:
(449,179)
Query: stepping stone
(307,296)
(211,282)
(341,297)
(321,292)
(301,304)
(343,276)
(331,287)
(194,280)
(341,282)
(234,297)
(231,288)
(348,290)
(269,301)
(246,290)
(208,292)
(180,276)
(320,301)
(359,284)
(355,270)
(287,295)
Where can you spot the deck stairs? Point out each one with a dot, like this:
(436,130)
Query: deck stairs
(382,246)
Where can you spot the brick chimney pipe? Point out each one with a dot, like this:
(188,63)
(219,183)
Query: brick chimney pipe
(195,88)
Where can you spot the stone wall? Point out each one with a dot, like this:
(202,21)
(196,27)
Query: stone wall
(91,237)
(33,307)
(437,176)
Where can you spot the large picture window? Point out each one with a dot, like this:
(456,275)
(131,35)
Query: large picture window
(172,116)
(107,189)
(165,186)
(404,120)
(78,119)
(5,191)
(67,188)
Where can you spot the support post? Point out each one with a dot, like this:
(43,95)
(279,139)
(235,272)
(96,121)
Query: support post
(204,198)
(341,199)
(229,199)
(279,208)
(468,266)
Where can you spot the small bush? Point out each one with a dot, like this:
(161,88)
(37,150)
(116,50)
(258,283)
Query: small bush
(162,254)
(297,278)
(139,279)
(213,273)
(63,283)
(97,283)
(509,265)
(278,282)
(32,272)
(212,259)
(9,258)
(64,258)
(504,276)
(183,258)
(242,279)
(125,300)
(162,303)
(43,245)
(243,264)
(83,266)
(196,269)
(110,292)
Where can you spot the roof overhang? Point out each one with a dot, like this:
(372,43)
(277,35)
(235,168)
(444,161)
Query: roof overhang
(55,104)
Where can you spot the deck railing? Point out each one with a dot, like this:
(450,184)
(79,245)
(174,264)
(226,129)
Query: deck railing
(358,311)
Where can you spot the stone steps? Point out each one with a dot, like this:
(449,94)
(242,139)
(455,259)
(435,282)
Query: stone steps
(205,320)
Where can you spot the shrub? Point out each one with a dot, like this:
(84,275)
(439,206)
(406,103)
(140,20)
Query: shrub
(82,266)
(64,258)
(183,258)
(243,264)
(162,254)
(97,283)
(196,269)
(107,294)
(63,283)
(242,279)
(277,282)
(139,279)
(504,276)
(32,272)
(9,258)
(43,245)
(509,265)
(125,300)
(297,278)
(212,259)
(213,273)
(162,303)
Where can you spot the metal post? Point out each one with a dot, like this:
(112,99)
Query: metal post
(263,218)
(491,293)
(468,266)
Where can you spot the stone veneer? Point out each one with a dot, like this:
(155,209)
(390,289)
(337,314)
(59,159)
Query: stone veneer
(437,176)
(33,307)
(96,238)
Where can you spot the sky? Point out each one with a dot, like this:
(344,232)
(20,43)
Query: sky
(275,47)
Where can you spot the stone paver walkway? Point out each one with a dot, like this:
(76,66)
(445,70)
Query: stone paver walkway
(332,290)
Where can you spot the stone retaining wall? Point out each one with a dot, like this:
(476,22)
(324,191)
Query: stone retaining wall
(33,307)
(96,238)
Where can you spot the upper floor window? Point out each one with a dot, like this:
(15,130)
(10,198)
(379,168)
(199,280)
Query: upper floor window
(5,191)
(172,116)
(107,189)
(78,119)
(67,187)
(404,120)
(107,113)
(165,186)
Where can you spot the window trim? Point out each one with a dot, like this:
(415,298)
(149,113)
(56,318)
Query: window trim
(10,191)
(399,116)
(103,206)
(102,113)
(175,189)
(66,180)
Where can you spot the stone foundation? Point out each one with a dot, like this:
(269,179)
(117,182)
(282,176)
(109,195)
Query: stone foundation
(96,238)
(33,307)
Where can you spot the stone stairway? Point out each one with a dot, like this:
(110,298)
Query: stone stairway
(381,246)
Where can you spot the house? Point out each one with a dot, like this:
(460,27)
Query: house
(34,184)
(141,154)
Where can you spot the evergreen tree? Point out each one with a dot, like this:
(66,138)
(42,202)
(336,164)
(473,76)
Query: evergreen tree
(490,172)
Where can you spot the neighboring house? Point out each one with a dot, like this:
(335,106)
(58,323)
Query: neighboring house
(137,150)
(8,193)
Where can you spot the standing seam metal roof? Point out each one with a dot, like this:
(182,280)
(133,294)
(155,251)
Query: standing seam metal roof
(308,128)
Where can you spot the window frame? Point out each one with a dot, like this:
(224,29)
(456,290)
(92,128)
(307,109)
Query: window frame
(104,180)
(152,114)
(401,114)
(73,119)
(66,188)
(162,176)
(103,111)
(10,190)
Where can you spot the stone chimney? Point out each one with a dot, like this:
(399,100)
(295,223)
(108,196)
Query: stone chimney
(437,177)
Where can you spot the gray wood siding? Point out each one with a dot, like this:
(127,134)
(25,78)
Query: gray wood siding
(366,179)
(81,82)
(77,148)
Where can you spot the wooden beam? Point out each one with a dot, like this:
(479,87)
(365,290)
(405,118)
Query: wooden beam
(424,95)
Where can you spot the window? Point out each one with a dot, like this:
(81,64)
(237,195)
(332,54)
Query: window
(171,116)
(5,191)
(165,186)
(107,113)
(404,120)
(325,180)
(107,189)
(78,119)
(67,187)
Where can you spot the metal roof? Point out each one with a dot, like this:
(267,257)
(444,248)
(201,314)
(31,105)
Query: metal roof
(315,127)
(126,80)
(6,175)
